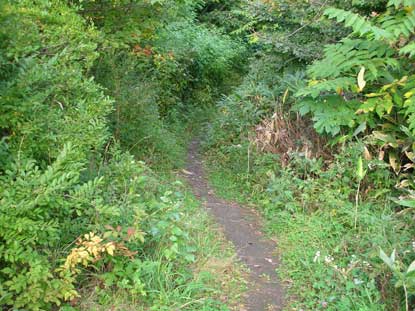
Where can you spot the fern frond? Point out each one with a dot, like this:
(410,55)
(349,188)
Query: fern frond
(400,24)
(408,50)
(246,27)
(330,113)
(410,114)
(410,110)
(350,55)
(398,3)
(315,90)
(360,25)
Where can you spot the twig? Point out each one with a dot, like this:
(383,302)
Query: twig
(356,205)
(406,297)
(189,303)
(318,15)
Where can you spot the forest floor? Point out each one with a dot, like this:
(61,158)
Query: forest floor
(241,226)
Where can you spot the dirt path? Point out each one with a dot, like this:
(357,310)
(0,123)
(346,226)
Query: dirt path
(241,226)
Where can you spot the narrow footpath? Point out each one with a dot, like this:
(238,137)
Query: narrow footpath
(242,227)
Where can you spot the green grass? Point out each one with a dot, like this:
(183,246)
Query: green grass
(326,263)
(210,278)
(214,281)
(227,187)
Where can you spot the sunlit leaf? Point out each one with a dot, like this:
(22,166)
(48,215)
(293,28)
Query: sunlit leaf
(361,79)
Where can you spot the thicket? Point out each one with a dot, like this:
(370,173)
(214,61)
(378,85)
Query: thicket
(162,67)
(85,84)
(322,141)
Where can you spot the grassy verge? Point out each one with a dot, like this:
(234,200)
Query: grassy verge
(327,262)
(212,279)
(187,263)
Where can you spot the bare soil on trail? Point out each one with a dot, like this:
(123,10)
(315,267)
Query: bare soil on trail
(242,227)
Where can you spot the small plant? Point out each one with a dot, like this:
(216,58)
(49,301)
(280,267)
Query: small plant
(405,276)
(90,249)
(365,83)
(360,175)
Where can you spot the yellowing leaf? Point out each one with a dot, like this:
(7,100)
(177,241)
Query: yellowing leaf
(374,94)
(285,96)
(381,155)
(409,94)
(313,82)
(367,154)
(410,155)
(110,247)
(394,163)
(361,79)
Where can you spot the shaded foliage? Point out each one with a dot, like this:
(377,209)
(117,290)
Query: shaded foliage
(356,92)
(83,83)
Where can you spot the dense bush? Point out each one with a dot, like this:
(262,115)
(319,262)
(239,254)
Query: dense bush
(46,98)
(90,88)
(365,85)
(44,211)
(332,205)
(83,82)
(161,66)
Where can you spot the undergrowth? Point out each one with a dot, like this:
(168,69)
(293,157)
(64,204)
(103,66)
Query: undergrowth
(322,144)
(194,269)
(327,263)
(99,99)
(96,100)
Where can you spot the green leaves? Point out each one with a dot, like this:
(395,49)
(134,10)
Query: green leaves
(411,267)
(385,82)
(360,25)
(408,50)
(379,105)
(70,73)
(391,26)
(350,55)
(360,171)
(399,3)
(330,113)
(50,49)
(388,260)
(404,277)
(317,87)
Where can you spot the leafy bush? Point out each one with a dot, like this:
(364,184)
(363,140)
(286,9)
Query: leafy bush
(43,211)
(366,78)
(331,214)
(76,210)
(310,207)
(160,71)
(365,85)
(45,65)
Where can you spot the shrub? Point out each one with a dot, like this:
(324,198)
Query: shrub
(46,98)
